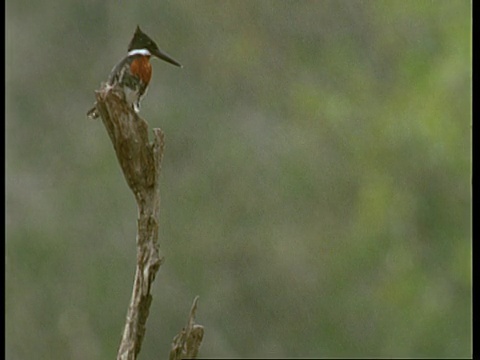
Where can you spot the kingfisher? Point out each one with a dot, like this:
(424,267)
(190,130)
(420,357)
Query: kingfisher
(134,71)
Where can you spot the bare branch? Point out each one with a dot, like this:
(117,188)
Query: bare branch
(140,161)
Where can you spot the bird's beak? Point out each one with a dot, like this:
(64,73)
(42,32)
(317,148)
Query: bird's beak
(161,55)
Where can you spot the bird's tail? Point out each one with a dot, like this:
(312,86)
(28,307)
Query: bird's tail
(93,113)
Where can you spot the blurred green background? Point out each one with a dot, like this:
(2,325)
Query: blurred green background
(316,184)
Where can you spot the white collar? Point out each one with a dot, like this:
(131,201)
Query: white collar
(144,52)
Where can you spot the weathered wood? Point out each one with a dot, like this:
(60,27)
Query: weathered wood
(140,161)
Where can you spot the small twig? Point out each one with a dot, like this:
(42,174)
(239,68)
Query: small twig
(187,342)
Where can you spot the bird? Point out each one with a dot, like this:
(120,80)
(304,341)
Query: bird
(134,71)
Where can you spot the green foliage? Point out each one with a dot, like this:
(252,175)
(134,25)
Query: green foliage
(316,185)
